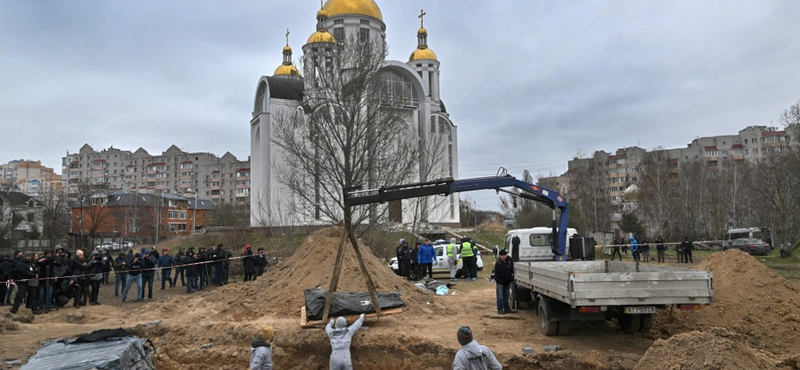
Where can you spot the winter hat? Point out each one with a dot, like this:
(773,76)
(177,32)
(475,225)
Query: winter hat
(453,240)
(267,332)
(144,250)
(137,255)
(27,254)
(464,335)
(341,322)
(95,253)
(503,252)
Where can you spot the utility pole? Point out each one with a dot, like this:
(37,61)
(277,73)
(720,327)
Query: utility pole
(194,215)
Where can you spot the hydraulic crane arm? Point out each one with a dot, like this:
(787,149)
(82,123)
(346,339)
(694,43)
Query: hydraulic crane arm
(356,196)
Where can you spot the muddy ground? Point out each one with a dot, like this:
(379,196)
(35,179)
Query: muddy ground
(752,324)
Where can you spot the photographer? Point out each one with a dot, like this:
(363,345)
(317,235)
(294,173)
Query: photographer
(148,271)
(134,276)
(95,276)
(68,289)
(46,272)
(79,268)
(120,273)
(107,259)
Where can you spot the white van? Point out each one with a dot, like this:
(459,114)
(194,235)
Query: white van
(534,243)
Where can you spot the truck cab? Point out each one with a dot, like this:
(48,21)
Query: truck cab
(535,244)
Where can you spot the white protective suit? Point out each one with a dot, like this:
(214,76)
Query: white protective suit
(473,356)
(340,336)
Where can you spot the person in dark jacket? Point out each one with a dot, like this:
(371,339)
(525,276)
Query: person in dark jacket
(249,264)
(79,267)
(5,275)
(95,276)
(261,262)
(25,274)
(46,272)
(179,270)
(120,273)
(661,250)
(503,276)
(166,263)
(134,276)
(404,257)
(687,247)
(148,272)
(202,268)
(191,270)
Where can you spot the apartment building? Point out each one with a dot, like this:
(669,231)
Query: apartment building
(222,179)
(622,169)
(29,177)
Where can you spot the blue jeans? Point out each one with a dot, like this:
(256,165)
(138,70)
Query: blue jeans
(119,280)
(148,281)
(165,277)
(502,297)
(129,281)
(46,295)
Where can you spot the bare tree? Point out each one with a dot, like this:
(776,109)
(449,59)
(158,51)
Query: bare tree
(658,198)
(352,129)
(55,214)
(6,221)
(230,214)
(590,196)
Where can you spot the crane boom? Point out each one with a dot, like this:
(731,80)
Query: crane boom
(357,196)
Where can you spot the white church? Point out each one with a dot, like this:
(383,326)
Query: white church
(271,203)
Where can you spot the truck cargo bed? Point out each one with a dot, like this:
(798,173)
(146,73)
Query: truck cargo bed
(607,283)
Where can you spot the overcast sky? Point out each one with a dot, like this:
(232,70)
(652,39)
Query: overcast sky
(528,83)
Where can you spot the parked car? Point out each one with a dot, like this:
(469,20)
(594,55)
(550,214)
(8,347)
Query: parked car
(442,265)
(750,239)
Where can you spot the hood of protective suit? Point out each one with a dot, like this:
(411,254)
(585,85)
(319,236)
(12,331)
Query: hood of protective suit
(340,323)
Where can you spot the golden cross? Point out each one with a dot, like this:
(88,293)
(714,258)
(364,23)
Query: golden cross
(422,18)
(320,4)
(287,37)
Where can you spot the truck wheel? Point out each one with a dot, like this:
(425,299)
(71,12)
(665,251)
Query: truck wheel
(629,323)
(547,327)
(646,323)
(564,326)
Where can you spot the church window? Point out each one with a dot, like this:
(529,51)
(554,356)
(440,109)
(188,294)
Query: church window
(398,91)
(338,21)
(433,125)
(364,22)
(363,34)
(441,126)
(338,34)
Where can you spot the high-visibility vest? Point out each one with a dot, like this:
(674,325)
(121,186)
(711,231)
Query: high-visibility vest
(466,249)
(450,248)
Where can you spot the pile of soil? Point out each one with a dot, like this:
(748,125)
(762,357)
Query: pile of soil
(749,299)
(715,349)
(7,324)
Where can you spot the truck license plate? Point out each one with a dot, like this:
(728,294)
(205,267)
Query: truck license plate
(636,310)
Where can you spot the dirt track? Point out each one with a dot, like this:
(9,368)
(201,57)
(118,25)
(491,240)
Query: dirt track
(424,335)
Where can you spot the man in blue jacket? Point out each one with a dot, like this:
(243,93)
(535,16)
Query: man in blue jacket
(634,248)
(426,257)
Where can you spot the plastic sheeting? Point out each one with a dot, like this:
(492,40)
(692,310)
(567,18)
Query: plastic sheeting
(344,304)
(108,349)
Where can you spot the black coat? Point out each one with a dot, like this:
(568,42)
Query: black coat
(79,267)
(504,271)
(190,267)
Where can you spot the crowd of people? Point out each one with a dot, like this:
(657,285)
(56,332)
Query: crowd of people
(423,257)
(640,250)
(54,278)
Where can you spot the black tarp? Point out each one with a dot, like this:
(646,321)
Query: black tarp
(344,304)
(106,349)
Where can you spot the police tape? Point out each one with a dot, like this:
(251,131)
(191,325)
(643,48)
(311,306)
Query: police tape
(155,269)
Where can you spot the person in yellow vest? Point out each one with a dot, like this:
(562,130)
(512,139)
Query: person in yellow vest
(468,256)
(452,250)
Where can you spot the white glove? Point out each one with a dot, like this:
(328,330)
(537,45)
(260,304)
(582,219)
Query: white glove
(362,316)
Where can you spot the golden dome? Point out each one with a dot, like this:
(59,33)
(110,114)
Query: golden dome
(284,70)
(321,36)
(322,13)
(287,48)
(422,31)
(423,54)
(361,7)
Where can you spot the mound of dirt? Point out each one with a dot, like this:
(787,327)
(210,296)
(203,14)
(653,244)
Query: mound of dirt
(280,290)
(715,349)
(750,299)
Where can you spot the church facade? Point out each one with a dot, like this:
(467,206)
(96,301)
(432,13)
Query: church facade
(279,95)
